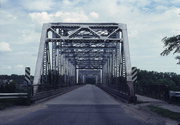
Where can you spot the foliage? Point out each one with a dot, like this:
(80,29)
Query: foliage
(12,83)
(158,78)
(10,87)
(14,77)
(171,44)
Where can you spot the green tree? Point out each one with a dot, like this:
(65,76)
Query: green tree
(171,44)
(158,78)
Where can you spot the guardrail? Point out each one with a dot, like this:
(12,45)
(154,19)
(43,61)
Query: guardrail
(174,97)
(174,94)
(13,95)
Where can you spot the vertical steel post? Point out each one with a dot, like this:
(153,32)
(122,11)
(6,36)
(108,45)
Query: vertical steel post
(128,62)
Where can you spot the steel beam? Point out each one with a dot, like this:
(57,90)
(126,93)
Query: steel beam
(66,48)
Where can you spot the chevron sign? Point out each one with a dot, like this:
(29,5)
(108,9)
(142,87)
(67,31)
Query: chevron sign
(134,74)
(27,75)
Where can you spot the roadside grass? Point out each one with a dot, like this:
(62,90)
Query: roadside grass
(175,101)
(6,103)
(165,112)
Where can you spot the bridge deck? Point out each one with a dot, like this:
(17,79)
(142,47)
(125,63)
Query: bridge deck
(87,105)
(86,95)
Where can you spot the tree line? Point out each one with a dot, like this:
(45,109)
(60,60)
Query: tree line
(170,79)
(13,83)
(144,78)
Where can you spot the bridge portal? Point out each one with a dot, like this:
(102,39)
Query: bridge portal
(72,53)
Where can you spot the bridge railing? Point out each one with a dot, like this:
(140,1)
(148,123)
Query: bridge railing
(117,87)
(47,90)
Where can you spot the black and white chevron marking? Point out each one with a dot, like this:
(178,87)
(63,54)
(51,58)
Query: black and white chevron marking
(27,75)
(134,74)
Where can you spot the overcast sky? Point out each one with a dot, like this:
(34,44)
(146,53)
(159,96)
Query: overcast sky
(148,22)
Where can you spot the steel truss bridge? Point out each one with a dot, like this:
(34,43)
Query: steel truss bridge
(71,53)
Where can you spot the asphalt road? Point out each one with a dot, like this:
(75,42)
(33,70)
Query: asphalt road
(87,105)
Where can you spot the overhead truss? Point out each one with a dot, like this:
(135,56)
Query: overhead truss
(65,48)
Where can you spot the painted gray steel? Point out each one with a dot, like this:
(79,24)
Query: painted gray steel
(67,48)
